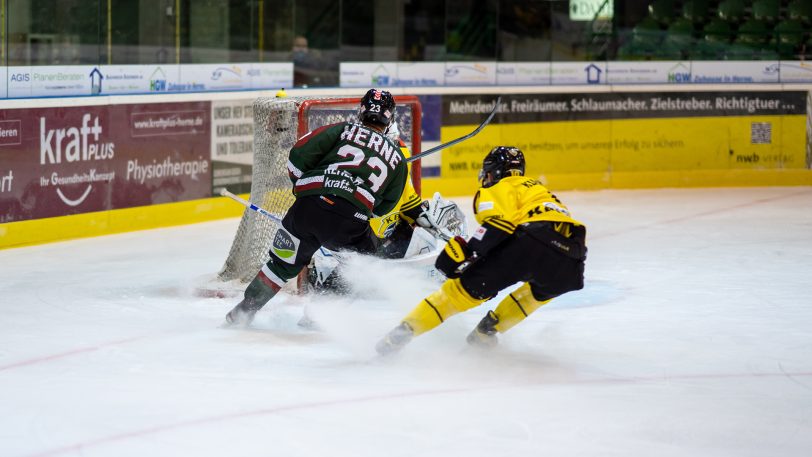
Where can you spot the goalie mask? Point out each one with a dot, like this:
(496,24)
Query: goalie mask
(377,108)
(502,161)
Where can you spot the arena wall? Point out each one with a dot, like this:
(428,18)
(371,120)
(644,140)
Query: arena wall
(90,166)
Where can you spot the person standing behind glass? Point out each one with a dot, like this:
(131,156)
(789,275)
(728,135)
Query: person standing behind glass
(306,63)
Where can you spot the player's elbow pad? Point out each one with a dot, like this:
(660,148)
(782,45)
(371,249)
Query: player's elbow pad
(452,257)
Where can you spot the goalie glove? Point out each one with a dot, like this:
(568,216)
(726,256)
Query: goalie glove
(424,219)
(454,258)
(421,215)
(440,217)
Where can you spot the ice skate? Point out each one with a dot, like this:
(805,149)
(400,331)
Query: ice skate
(395,340)
(239,316)
(484,335)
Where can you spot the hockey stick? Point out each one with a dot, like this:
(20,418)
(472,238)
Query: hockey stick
(225,193)
(460,139)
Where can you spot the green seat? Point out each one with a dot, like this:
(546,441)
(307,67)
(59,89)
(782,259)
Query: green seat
(661,11)
(708,50)
(716,36)
(695,11)
(753,33)
(731,10)
(642,41)
(632,50)
(647,30)
(766,10)
(680,34)
(717,30)
(800,10)
(790,31)
(738,51)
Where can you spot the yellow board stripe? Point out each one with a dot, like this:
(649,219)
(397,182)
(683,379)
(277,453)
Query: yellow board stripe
(38,231)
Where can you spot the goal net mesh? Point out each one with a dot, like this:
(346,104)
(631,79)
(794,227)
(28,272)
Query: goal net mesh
(278,123)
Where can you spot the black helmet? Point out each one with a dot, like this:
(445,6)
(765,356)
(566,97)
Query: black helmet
(500,162)
(377,108)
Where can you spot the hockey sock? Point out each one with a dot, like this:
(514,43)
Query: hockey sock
(451,299)
(515,307)
(261,290)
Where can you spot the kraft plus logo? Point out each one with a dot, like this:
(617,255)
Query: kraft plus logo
(75,144)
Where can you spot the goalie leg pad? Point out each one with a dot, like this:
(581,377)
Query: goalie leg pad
(451,299)
(515,307)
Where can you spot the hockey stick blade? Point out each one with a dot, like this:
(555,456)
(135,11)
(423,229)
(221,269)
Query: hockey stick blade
(462,138)
(225,193)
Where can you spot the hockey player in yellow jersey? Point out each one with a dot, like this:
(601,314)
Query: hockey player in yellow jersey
(526,234)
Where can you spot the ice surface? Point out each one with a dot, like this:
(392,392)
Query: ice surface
(692,337)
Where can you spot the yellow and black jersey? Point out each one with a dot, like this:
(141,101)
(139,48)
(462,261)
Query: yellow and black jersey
(409,201)
(515,200)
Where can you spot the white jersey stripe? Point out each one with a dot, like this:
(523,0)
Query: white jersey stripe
(310,180)
(270,275)
(363,192)
(293,170)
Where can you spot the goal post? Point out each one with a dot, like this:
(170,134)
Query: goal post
(278,124)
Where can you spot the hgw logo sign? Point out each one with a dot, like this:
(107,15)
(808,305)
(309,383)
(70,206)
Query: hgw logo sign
(679,73)
(157,81)
(74,144)
(380,76)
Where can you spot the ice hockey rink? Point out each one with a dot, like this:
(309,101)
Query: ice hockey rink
(692,337)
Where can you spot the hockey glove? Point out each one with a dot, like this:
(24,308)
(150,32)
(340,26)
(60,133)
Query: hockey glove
(455,254)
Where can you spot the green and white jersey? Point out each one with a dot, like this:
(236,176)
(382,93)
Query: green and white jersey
(350,161)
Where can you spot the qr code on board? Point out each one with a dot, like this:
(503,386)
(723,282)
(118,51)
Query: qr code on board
(761,133)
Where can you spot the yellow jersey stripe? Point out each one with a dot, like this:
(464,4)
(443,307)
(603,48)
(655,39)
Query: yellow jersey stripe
(501,224)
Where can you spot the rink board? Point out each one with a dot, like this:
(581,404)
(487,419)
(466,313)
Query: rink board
(640,153)
(58,182)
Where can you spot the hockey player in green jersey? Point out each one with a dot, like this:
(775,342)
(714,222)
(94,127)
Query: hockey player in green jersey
(526,235)
(342,174)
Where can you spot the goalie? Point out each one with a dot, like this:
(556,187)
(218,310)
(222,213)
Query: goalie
(526,235)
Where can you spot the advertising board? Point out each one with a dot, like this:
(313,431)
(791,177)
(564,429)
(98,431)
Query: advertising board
(80,159)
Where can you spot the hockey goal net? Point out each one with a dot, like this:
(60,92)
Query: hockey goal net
(278,123)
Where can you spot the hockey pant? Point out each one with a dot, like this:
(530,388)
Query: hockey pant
(528,257)
(311,222)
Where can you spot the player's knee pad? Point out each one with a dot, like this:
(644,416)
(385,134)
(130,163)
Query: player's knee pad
(516,306)
(285,246)
(451,299)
